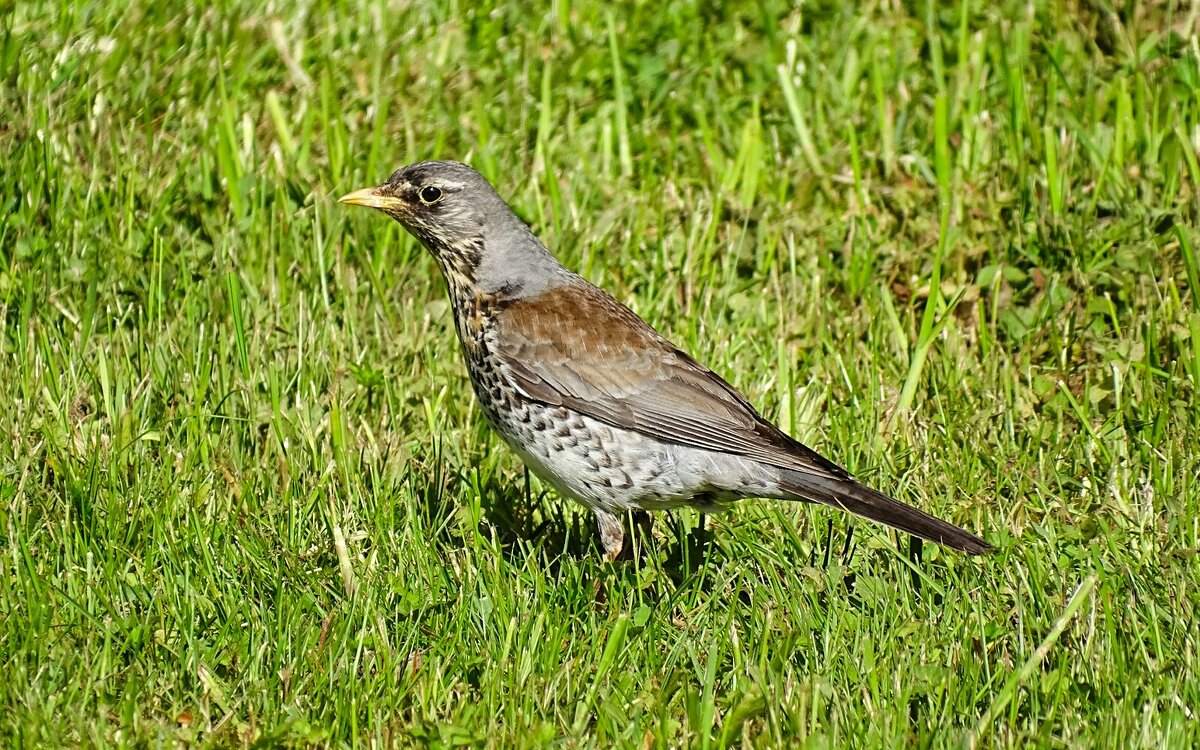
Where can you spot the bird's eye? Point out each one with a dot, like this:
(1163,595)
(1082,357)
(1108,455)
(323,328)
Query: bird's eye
(430,194)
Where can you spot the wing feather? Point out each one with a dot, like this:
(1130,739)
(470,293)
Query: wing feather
(612,366)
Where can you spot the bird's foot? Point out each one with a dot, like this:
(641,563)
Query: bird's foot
(612,534)
(617,544)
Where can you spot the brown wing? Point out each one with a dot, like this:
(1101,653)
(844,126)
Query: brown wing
(578,347)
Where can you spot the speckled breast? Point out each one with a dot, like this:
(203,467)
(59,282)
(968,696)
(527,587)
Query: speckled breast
(583,458)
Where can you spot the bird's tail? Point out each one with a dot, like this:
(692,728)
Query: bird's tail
(852,497)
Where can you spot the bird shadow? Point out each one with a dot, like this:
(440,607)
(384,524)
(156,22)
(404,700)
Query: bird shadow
(526,523)
(523,522)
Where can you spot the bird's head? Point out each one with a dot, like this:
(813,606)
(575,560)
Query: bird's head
(444,204)
(463,222)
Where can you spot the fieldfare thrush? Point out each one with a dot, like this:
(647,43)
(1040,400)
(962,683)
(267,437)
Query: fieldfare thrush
(596,402)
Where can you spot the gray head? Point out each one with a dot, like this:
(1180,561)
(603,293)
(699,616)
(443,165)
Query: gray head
(477,240)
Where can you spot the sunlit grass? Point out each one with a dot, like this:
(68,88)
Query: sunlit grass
(247,497)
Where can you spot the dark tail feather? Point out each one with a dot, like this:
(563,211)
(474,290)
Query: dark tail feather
(852,497)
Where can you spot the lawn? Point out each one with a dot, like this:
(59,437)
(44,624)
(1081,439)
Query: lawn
(247,499)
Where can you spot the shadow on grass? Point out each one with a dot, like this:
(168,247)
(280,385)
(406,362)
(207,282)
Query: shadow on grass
(559,529)
(555,530)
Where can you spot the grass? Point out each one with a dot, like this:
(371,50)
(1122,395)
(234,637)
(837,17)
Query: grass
(247,500)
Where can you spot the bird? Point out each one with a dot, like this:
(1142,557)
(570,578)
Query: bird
(596,402)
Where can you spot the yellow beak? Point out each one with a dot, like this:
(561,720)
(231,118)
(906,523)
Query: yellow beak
(371,198)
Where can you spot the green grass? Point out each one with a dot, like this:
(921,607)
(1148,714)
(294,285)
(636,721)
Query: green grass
(247,499)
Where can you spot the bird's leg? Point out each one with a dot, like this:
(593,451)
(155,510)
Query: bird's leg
(612,534)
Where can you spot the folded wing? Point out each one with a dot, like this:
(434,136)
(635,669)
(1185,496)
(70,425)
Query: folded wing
(612,366)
